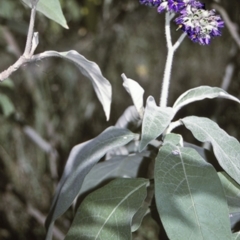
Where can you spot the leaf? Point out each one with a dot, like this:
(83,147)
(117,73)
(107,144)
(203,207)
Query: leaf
(82,158)
(189,196)
(7,83)
(200,93)
(6,105)
(143,210)
(136,92)
(225,147)
(107,213)
(129,119)
(232,192)
(51,9)
(92,71)
(236,236)
(234,220)
(155,121)
(118,166)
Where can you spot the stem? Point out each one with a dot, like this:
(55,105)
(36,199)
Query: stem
(168,67)
(28,46)
(168,30)
(29,50)
(166,79)
(179,41)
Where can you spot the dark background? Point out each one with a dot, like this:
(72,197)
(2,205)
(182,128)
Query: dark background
(53,98)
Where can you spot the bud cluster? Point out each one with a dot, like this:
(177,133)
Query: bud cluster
(198,23)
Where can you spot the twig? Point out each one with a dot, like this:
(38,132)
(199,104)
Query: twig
(230,25)
(28,52)
(28,46)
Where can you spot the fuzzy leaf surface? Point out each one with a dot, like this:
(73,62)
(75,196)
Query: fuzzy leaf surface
(225,147)
(81,160)
(236,236)
(136,92)
(232,192)
(200,93)
(51,9)
(118,166)
(155,121)
(91,70)
(107,213)
(189,196)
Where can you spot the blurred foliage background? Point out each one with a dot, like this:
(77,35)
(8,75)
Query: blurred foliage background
(48,107)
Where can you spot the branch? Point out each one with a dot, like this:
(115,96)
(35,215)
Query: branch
(29,48)
(230,25)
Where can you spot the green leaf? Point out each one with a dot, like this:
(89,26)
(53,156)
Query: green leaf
(51,9)
(189,196)
(7,83)
(118,166)
(107,213)
(200,93)
(92,71)
(6,105)
(232,192)
(155,121)
(82,158)
(225,147)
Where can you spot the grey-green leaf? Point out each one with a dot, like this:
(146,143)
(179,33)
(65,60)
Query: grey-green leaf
(232,192)
(51,9)
(118,166)
(92,71)
(200,93)
(236,236)
(82,158)
(189,196)
(225,147)
(136,92)
(155,121)
(107,213)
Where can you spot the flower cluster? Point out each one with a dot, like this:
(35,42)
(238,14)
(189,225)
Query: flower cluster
(199,24)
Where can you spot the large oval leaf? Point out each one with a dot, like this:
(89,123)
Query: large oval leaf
(200,93)
(225,147)
(155,121)
(107,213)
(189,196)
(51,9)
(91,70)
(82,158)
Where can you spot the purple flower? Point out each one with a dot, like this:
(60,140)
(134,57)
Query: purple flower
(200,24)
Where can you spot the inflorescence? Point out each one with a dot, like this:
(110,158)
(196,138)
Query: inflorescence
(198,23)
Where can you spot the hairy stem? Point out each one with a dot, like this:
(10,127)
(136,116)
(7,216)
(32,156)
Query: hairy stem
(168,67)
